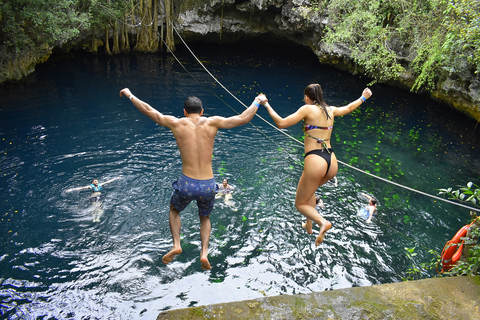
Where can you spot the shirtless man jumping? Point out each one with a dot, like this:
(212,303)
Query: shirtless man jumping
(195,136)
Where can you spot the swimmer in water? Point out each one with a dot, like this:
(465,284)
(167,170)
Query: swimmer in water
(95,197)
(370,211)
(225,190)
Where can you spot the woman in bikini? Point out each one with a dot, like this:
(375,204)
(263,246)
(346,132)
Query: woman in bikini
(320,163)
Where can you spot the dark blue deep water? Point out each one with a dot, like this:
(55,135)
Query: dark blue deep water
(65,124)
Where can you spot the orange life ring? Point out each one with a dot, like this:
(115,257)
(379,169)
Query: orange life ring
(453,249)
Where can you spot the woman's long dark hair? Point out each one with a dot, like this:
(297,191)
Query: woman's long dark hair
(315,93)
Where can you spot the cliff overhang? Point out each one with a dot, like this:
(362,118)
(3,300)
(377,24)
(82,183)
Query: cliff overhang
(230,21)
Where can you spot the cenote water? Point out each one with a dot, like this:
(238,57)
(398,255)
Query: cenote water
(65,125)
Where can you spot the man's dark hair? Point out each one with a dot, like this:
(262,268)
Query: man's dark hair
(193,105)
(374,201)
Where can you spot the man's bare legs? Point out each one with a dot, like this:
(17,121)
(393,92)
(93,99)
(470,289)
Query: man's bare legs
(175,225)
(205,229)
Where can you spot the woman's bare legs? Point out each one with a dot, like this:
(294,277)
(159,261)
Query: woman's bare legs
(314,175)
(308,225)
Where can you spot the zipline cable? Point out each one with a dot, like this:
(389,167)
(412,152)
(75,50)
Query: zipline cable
(296,140)
(228,105)
(301,143)
(221,85)
(291,137)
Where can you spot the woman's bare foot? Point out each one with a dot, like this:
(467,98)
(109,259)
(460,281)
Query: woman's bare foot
(205,263)
(171,255)
(308,227)
(323,229)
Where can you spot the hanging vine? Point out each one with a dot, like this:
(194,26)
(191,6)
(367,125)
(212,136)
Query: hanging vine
(168,22)
(145,43)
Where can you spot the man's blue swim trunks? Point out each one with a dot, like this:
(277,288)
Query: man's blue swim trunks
(186,189)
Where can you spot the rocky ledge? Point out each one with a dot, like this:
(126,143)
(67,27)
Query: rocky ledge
(440,298)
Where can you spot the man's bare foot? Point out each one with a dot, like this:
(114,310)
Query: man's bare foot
(171,255)
(307,227)
(323,229)
(205,263)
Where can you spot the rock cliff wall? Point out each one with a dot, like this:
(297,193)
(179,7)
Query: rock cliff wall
(294,20)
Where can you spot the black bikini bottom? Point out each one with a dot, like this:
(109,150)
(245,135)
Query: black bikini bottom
(326,154)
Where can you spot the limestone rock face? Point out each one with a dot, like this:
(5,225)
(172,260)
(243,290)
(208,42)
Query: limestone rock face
(229,21)
(17,66)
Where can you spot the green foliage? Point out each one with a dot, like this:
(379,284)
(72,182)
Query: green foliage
(470,193)
(360,26)
(433,37)
(415,272)
(105,12)
(463,21)
(29,23)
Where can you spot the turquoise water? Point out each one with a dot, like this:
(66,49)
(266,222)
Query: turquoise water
(65,124)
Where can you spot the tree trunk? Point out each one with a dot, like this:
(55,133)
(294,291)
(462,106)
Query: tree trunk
(94,46)
(107,45)
(154,29)
(124,39)
(116,46)
(168,22)
(148,39)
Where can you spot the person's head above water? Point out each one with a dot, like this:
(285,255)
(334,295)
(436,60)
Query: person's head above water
(193,105)
(95,182)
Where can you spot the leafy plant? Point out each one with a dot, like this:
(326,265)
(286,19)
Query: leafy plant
(470,193)
(416,271)
(432,38)
(27,24)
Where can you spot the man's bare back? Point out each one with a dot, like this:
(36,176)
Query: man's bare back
(195,138)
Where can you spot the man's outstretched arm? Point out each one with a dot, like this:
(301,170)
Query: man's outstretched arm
(146,109)
(239,120)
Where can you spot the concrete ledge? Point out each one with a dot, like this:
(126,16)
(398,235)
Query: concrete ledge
(438,298)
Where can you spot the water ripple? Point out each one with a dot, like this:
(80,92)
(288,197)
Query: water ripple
(57,263)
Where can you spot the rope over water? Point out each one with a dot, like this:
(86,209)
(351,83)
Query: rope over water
(301,143)
(273,126)
(291,137)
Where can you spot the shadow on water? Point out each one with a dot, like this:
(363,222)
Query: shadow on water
(65,125)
